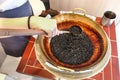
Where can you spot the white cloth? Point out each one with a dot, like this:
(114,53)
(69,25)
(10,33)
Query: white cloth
(37,6)
(10,4)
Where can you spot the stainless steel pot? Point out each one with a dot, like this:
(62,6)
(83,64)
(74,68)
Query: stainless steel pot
(59,70)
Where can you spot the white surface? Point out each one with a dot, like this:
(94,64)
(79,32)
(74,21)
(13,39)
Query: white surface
(118,39)
(2,76)
(9,68)
(93,7)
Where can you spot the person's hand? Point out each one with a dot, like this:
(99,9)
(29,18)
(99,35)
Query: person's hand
(43,24)
(56,32)
(53,33)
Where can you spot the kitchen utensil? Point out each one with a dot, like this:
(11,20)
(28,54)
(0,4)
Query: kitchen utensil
(108,18)
(46,58)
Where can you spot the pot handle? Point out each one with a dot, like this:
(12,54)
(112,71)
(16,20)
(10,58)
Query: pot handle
(79,10)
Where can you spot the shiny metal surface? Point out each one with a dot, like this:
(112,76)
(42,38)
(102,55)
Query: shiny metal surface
(69,73)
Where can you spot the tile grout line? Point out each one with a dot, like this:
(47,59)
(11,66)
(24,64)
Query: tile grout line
(111,68)
(28,58)
(113,40)
(114,56)
(35,59)
(34,62)
(111,56)
(91,78)
(103,75)
(34,67)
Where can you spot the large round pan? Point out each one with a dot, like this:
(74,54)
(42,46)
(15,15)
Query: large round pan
(97,62)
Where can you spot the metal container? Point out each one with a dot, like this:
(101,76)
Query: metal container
(42,52)
(108,18)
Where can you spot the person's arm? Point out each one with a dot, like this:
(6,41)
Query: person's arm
(37,25)
(13,23)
